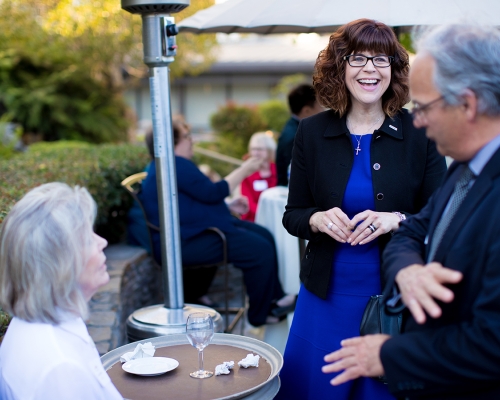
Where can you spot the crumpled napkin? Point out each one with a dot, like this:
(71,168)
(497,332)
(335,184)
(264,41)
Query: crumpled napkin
(141,351)
(250,360)
(224,368)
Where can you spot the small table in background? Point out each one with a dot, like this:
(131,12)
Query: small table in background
(269,214)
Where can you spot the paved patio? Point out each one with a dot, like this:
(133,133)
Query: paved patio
(128,268)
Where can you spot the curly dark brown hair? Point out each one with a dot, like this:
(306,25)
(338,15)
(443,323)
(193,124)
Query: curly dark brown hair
(357,36)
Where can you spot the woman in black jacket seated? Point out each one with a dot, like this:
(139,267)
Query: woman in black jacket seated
(201,205)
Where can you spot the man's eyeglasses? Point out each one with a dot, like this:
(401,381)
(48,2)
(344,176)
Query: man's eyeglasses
(418,109)
(359,60)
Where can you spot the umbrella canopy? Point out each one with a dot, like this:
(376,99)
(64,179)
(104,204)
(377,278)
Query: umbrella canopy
(324,16)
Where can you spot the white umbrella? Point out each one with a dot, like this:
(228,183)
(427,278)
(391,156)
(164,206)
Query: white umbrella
(324,16)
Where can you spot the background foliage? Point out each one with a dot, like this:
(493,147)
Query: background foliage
(275,113)
(4,323)
(234,124)
(65,64)
(100,168)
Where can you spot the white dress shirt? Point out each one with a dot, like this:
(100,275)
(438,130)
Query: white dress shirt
(44,361)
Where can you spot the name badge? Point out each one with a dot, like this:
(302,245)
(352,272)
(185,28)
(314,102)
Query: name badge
(260,185)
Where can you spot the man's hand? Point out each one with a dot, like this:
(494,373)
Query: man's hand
(420,285)
(359,356)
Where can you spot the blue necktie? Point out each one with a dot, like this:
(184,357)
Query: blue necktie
(461,189)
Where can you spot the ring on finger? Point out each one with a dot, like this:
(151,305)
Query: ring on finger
(372,228)
(329,226)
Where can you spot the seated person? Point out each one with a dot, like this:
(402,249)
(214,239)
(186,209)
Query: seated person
(262,146)
(201,205)
(51,264)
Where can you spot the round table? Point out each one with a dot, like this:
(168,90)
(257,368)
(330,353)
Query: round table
(269,214)
(265,388)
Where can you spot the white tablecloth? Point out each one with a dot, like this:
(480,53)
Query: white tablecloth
(269,214)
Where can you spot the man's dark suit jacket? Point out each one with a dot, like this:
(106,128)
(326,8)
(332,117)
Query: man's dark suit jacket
(456,356)
(284,150)
(406,170)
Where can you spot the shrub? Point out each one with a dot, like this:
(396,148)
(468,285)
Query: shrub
(60,101)
(100,168)
(275,114)
(4,323)
(234,124)
(9,135)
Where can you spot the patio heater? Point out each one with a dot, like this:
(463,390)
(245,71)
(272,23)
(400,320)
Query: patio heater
(158,36)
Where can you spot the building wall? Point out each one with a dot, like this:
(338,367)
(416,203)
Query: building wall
(199,97)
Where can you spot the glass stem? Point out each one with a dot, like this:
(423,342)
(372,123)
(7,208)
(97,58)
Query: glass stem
(200,359)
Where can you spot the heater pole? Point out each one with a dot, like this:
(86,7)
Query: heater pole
(158,35)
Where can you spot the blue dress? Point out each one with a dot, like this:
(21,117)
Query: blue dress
(319,325)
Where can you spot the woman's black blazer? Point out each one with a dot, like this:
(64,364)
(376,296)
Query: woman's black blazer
(406,169)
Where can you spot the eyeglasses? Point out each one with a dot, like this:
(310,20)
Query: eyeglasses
(359,60)
(417,109)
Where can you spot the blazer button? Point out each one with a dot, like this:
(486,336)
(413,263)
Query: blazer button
(380,196)
(376,166)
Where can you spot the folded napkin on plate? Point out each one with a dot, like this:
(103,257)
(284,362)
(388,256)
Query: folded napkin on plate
(250,360)
(141,351)
(224,368)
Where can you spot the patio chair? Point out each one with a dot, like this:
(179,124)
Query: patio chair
(132,185)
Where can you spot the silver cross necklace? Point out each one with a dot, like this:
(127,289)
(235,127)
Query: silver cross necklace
(358,149)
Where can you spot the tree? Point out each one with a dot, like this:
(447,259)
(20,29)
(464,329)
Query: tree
(112,37)
(64,64)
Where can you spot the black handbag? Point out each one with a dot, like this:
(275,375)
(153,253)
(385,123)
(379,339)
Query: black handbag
(377,320)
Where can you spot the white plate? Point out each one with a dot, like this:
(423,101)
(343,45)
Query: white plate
(150,366)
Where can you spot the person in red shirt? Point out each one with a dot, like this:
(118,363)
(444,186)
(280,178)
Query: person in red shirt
(261,145)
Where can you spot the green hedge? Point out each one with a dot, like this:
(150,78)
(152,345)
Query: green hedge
(99,168)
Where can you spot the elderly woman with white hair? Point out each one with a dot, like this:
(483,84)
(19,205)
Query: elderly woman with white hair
(262,146)
(51,263)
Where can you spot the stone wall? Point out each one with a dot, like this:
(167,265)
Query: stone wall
(141,287)
(136,283)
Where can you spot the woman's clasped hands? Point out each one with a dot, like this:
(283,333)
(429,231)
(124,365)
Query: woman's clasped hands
(361,229)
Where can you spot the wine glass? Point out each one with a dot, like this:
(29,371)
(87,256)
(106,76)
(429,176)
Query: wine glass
(200,331)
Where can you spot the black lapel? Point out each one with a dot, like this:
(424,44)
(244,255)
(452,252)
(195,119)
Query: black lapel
(337,155)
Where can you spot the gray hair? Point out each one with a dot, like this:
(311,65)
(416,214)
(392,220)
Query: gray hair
(44,244)
(265,139)
(467,57)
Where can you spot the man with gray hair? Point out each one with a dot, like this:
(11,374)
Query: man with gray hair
(443,265)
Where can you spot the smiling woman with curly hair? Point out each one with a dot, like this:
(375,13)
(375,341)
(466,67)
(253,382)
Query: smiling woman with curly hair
(329,78)
(358,170)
